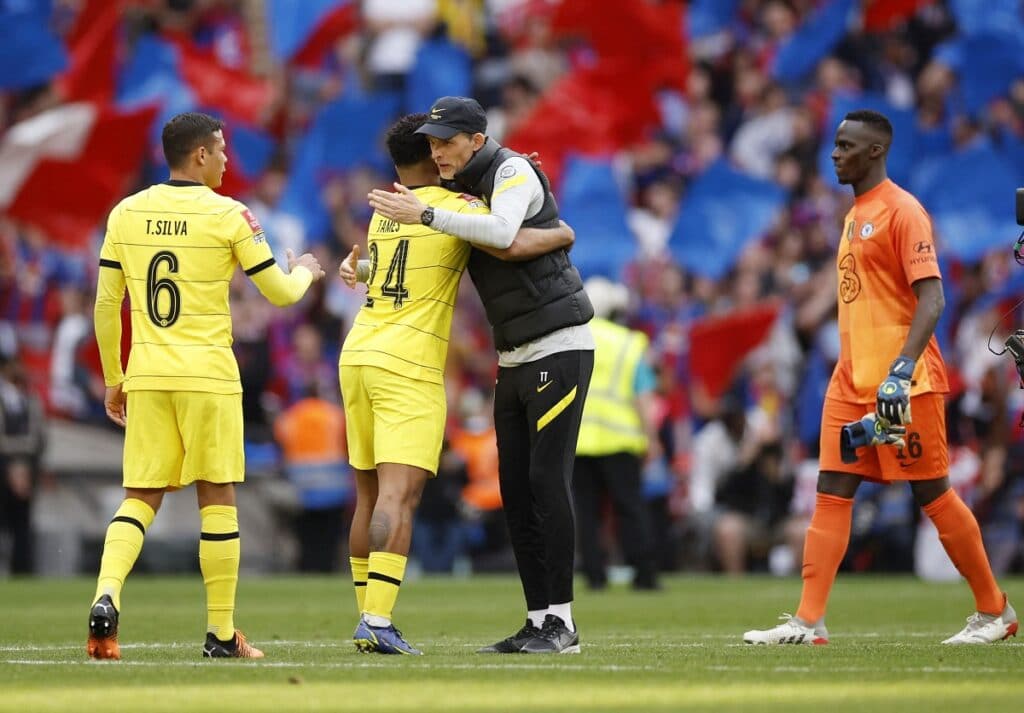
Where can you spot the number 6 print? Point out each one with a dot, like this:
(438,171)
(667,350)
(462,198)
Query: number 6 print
(155,286)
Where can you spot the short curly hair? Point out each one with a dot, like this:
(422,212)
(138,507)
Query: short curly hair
(407,148)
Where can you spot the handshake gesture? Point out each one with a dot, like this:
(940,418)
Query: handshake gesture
(306,260)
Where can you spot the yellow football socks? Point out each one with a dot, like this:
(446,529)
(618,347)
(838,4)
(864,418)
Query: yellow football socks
(121,547)
(360,565)
(383,579)
(219,553)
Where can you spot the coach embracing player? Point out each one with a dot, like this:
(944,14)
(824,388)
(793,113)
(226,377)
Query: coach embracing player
(538,311)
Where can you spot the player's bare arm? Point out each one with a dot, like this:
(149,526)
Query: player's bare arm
(893,400)
(930,302)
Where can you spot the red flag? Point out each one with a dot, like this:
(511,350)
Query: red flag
(62,170)
(338,23)
(239,94)
(592,111)
(92,46)
(612,103)
(884,15)
(650,35)
(719,344)
(234,183)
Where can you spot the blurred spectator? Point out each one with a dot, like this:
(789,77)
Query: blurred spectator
(882,530)
(394,33)
(438,538)
(752,501)
(22,439)
(311,434)
(309,188)
(616,435)
(250,320)
(739,489)
(284,230)
(475,441)
(518,97)
(307,369)
(75,390)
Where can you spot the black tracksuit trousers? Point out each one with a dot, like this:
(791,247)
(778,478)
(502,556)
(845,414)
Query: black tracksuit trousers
(537,412)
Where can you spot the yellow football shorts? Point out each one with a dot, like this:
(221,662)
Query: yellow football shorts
(390,418)
(176,437)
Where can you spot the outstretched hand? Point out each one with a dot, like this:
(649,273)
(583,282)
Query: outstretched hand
(402,205)
(347,268)
(306,260)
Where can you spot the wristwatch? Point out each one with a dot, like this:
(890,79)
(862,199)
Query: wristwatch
(427,216)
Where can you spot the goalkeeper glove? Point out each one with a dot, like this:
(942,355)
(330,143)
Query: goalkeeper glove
(893,400)
(869,431)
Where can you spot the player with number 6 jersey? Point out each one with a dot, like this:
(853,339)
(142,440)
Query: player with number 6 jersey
(175,247)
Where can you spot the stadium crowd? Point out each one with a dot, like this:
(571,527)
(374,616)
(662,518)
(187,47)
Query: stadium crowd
(732,485)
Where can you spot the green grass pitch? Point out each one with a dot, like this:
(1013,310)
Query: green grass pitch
(678,649)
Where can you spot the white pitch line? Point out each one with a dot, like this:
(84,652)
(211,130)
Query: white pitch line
(606,645)
(178,645)
(554,665)
(859,669)
(731,641)
(879,644)
(329,665)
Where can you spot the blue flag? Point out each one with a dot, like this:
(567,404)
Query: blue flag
(970,197)
(30,53)
(592,202)
(345,134)
(723,211)
(291,22)
(151,76)
(986,64)
(442,69)
(253,147)
(706,17)
(979,16)
(813,40)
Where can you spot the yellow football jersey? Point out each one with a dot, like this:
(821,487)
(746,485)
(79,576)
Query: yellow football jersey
(177,245)
(414,278)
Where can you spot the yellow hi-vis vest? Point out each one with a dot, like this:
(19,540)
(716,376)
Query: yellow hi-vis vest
(611,423)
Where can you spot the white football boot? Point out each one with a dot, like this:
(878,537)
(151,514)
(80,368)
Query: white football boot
(987,628)
(790,631)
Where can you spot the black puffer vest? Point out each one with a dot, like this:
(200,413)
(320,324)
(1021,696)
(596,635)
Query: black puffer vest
(523,300)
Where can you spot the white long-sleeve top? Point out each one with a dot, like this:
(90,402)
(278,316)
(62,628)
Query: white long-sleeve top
(517,195)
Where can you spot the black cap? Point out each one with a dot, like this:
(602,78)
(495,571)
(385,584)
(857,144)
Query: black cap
(452,115)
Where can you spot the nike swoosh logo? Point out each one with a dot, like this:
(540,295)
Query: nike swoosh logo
(907,465)
(544,386)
